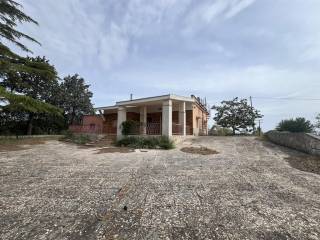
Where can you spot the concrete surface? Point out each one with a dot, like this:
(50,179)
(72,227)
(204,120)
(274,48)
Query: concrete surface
(247,191)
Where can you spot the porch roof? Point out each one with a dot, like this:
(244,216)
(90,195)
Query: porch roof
(150,100)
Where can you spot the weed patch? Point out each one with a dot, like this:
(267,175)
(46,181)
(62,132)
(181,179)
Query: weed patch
(146,142)
(199,150)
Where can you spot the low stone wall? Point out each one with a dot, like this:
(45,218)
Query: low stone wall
(304,142)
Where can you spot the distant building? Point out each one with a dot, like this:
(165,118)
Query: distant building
(160,115)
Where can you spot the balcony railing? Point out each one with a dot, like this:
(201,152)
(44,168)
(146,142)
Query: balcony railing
(153,128)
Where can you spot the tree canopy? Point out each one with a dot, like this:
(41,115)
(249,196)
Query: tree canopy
(75,98)
(317,125)
(299,124)
(236,114)
(30,90)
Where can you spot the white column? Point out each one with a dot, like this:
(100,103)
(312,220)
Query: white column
(167,118)
(182,118)
(143,120)
(122,117)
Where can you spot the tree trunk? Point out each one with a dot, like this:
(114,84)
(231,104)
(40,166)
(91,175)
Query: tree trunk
(233,130)
(72,116)
(29,127)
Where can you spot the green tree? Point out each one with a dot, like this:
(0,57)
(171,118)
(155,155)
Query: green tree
(75,98)
(299,124)
(317,125)
(38,84)
(10,17)
(236,114)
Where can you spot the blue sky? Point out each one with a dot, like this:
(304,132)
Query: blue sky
(216,49)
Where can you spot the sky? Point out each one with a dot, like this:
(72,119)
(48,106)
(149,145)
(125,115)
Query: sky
(218,49)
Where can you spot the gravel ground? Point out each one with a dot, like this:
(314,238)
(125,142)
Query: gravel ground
(249,190)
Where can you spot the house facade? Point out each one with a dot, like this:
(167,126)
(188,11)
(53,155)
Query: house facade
(166,115)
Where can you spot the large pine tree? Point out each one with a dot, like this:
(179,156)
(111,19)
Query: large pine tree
(11,63)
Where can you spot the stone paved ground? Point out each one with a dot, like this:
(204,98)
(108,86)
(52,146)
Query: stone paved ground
(247,191)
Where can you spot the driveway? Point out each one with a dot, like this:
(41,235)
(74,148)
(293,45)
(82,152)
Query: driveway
(249,190)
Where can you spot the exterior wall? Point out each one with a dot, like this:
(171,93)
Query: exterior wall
(154,117)
(199,121)
(92,119)
(91,124)
(189,120)
(110,123)
(133,116)
(300,141)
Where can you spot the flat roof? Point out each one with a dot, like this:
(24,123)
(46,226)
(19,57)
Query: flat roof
(146,100)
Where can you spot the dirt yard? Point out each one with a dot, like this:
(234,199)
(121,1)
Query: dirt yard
(250,189)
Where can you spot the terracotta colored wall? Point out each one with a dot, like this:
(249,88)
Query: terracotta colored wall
(133,116)
(189,119)
(175,119)
(154,117)
(200,120)
(110,123)
(92,119)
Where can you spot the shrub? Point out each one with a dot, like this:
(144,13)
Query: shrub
(67,134)
(295,125)
(76,138)
(146,142)
(128,127)
(81,139)
(165,143)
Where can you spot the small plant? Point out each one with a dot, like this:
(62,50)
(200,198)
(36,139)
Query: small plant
(81,139)
(166,143)
(295,125)
(146,142)
(76,138)
(128,127)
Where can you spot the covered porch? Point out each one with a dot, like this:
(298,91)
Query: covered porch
(165,115)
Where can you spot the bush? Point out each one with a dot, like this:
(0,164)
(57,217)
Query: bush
(165,143)
(295,125)
(146,142)
(76,138)
(128,127)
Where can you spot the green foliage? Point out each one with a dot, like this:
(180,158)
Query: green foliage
(14,102)
(30,93)
(146,142)
(10,17)
(128,127)
(317,125)
(236,114)
(165,143)
(76,138)
(35,85)
(75,98)
(299,124)
(220,131)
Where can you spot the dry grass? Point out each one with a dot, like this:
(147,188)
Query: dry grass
(199,150)
(305,162)
(11,144)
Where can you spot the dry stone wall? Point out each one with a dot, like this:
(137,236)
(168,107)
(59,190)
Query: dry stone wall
(304,142)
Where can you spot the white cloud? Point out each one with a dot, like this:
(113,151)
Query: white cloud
(238,6)
(216,48)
